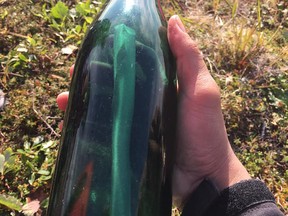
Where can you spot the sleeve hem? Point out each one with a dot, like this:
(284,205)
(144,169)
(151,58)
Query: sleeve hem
(239,197)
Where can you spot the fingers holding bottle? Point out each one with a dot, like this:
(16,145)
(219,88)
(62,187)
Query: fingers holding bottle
(203,149)
(62,98)
(195,81)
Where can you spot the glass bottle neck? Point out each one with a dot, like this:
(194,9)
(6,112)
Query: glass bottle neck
(146,5)
(141,2)
(129,4)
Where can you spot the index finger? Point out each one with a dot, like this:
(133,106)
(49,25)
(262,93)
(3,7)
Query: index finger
(71,70)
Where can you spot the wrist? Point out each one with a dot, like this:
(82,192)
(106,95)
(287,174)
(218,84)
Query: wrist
(182,186)
(230,172)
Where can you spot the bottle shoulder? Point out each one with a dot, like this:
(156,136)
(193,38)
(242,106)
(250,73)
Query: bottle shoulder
(144,18)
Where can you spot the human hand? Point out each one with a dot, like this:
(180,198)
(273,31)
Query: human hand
(203,149)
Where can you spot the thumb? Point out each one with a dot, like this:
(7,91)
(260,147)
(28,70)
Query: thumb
(194,78)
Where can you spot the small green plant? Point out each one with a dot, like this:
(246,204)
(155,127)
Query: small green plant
(63,19)
(26,169)
(14,204)
(10,202)
(58,16)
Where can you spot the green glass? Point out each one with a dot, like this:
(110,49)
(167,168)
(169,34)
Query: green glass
(117,144)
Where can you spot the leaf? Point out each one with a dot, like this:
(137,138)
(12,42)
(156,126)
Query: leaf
(26,153)
(43,172)
(84,8)
(43,9)
(22,57)
(285,159)
(78,28)
(68,50)
(5,13)
(27,145)
(16,64)
(47,144)
(31,165)
(20,151)
(73,14)
(22,49)
(10,164)
(7,153)
(32,179)
(38,140)
(10,202)
(31,41)
(89,20)
(45,178)
(70,37)
(2,161)
(45,203)
(80,8)
(55,25)
(234,8)
(60,10)
(31,208)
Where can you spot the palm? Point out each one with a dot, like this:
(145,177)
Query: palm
(201,135)
(202,140)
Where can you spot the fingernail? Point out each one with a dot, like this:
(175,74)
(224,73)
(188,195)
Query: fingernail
(179,23)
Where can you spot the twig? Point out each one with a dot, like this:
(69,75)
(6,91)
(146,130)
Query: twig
(211,64)
(1,83)
(12,74)
(50,117)
(39,115)
(1,134)
(16,35)
(266,86)
(47,124)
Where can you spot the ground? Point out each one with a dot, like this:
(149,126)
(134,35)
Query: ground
(244,44)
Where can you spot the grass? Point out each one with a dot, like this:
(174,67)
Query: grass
(245,46)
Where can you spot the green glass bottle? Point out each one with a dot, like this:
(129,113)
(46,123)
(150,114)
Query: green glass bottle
(118,140)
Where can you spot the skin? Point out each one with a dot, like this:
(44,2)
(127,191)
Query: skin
(203,148)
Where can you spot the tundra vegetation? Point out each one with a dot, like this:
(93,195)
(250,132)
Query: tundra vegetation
(244,44)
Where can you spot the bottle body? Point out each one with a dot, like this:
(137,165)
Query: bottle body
(116,149)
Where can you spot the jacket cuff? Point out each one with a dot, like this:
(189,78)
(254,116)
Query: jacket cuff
(201,199)
(239,197)
(207,201)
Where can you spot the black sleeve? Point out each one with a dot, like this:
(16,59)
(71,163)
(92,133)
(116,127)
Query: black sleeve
(263,209)
(246,198)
